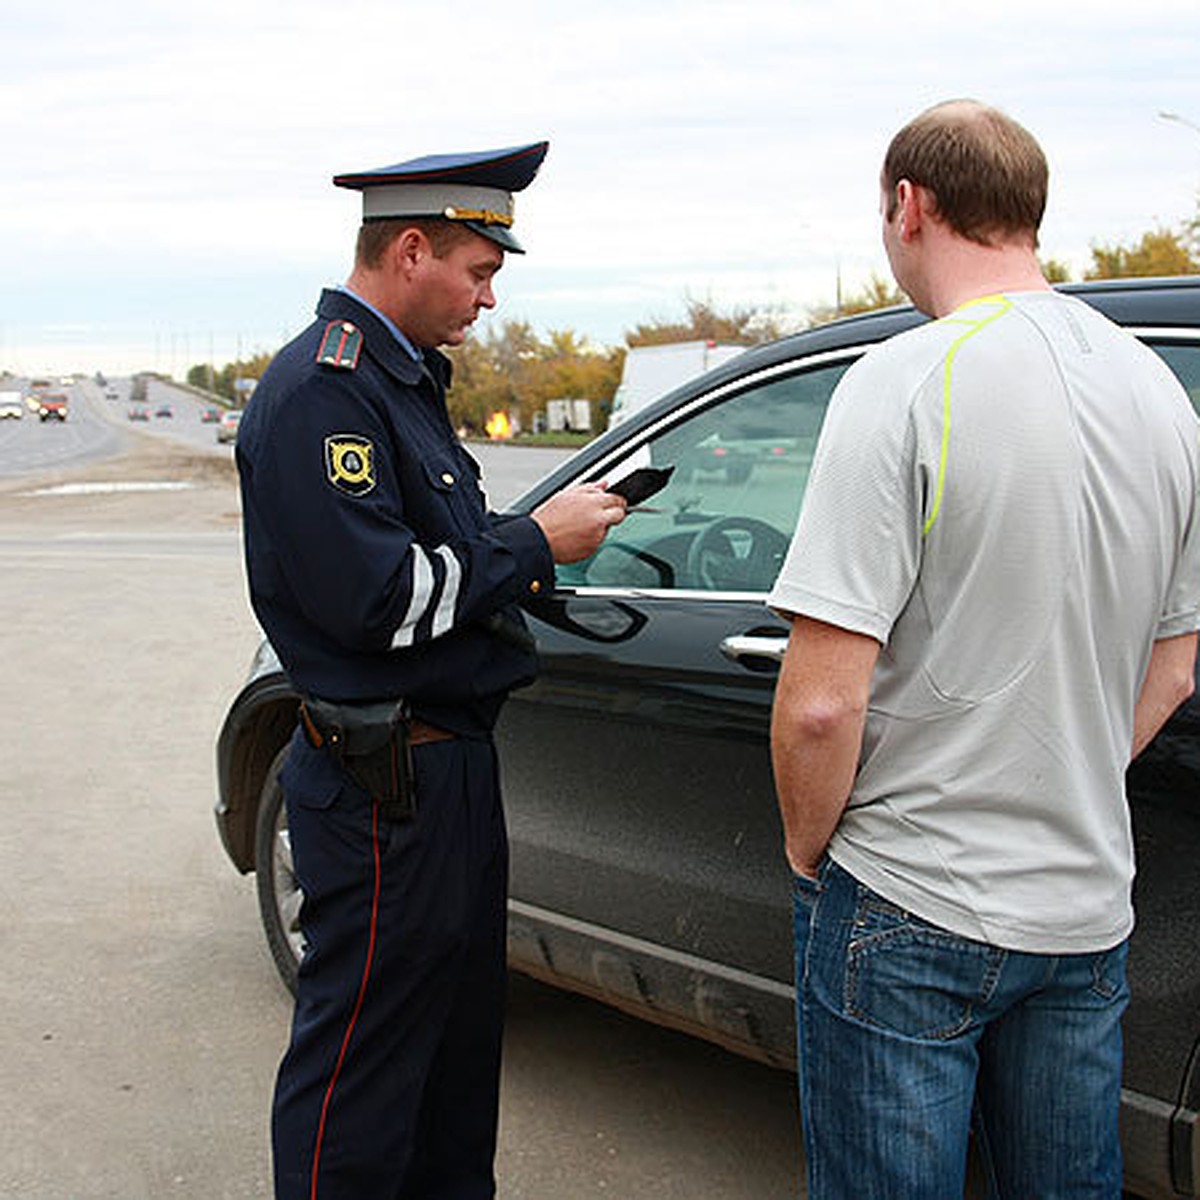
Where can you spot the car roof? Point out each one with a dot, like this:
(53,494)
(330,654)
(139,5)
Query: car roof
(1151,303)
(1160,303)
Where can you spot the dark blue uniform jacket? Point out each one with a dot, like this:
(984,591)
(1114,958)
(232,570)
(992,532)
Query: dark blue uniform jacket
(374,567)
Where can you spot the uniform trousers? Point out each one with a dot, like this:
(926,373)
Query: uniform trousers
(389,1088)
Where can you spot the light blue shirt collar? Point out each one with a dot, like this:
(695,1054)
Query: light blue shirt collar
(391,325)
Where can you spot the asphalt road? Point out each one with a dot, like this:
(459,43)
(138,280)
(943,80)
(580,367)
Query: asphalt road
(98,429)
(142,1020)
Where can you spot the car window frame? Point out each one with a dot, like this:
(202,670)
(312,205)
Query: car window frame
(599,469)
(1174,335)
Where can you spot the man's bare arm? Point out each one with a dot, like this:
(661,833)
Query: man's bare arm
(816,732)
(1170,680)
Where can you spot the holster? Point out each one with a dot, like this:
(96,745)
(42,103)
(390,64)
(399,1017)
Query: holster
(371,742)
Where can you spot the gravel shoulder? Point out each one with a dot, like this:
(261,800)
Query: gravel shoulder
(156,487)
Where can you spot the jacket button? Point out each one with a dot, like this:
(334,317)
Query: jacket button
(535,586)
(447,478)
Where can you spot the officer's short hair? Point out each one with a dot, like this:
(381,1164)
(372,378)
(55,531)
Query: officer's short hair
(987,173)
(374,237)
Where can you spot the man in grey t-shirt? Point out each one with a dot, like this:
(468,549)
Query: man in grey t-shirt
(994,590)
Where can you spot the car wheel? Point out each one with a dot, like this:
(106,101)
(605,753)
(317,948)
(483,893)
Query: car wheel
(279,893)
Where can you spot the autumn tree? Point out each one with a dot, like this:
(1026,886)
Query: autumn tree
(511,369)
(1055,270)
(1160,252)
(222,380)
(704,321)
(876,293)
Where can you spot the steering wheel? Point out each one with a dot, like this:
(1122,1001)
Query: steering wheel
(737,554)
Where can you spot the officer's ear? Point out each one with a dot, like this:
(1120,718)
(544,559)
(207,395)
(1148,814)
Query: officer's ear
(408,251)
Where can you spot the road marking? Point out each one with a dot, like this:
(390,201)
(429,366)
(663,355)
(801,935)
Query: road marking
(100,489)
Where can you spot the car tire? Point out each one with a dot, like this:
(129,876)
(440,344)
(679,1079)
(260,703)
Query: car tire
(279,894)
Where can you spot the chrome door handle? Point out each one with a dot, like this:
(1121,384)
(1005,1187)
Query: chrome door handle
(753,647)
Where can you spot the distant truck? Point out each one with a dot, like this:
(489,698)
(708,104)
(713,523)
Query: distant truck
(569,415)
(12,406)
(653,371)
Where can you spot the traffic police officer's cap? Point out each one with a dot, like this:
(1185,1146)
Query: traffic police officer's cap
(475,189)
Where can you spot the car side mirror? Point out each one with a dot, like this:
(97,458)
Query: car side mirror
(589,617)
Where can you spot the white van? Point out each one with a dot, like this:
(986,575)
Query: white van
(653,371)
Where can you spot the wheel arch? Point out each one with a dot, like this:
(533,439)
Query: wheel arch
(260,722)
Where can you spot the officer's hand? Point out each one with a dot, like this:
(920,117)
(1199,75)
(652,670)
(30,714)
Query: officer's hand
(575,521)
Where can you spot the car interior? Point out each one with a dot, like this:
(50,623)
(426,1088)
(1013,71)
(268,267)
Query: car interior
(725,518)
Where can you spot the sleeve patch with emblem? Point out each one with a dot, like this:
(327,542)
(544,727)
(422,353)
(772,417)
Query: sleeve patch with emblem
(340,346)
(350,463)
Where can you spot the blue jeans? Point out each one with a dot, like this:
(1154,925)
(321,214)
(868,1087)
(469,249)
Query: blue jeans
(909,1035)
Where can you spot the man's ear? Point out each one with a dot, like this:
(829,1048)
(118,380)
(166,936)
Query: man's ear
(910,210)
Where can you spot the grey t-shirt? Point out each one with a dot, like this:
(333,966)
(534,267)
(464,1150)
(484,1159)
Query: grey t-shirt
(1006,499)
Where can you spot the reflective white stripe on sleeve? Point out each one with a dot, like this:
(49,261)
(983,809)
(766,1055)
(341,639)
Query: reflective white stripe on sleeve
(422,593)
(443,618)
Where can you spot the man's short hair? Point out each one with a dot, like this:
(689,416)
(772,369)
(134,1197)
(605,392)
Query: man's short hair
(987,173)
(374,237)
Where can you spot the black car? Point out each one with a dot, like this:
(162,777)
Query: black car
(647,863)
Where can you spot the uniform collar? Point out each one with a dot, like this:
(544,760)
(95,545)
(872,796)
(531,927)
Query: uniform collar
(388,323)
(336,304)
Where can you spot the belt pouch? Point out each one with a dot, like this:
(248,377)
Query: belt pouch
(371,742)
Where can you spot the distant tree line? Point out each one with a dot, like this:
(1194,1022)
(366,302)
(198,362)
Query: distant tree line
(1158,252)
(514,370)
(222,381)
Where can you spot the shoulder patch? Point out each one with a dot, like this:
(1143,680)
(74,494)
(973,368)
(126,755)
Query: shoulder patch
(341,346)
(350,463)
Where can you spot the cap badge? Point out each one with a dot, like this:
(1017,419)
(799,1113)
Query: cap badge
(486,215)
(350,463)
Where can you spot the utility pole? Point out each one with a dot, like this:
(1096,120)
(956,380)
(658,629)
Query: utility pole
(1173,116)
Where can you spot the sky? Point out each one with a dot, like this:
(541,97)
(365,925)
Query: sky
(166,195)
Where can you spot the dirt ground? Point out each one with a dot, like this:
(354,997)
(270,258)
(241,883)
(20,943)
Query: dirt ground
(112,495)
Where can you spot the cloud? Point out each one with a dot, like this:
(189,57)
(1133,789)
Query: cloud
(168,167)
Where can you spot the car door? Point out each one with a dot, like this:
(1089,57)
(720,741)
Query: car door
(637,769)
(1162,1024)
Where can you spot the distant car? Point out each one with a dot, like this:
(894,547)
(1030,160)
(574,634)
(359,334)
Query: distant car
(112,394)
(164,410)
(227,429)
(210,416)
(52,406)
(647,867)
(139,412)
(11,406)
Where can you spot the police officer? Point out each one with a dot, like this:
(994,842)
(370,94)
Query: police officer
(391,595)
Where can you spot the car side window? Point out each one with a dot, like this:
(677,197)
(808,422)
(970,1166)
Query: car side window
(724,521)
(1184,360)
